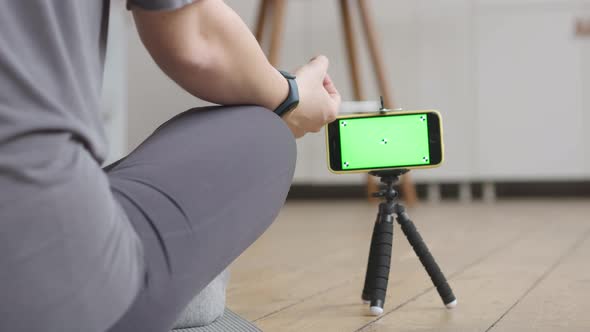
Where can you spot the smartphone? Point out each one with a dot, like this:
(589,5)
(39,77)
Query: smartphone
(381,141)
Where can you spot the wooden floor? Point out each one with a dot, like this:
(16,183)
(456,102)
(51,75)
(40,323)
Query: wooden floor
(514,266)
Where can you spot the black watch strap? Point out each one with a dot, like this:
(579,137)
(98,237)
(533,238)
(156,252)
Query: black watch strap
(292,98)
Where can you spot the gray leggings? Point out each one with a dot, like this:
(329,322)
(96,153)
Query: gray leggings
(127,248)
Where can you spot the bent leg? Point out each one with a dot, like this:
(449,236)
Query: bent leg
(70,260)
(199,191)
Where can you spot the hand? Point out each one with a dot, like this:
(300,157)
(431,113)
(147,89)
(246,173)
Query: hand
(319,100)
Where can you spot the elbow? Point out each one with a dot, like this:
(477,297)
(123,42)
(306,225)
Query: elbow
(201,58)
(179,58)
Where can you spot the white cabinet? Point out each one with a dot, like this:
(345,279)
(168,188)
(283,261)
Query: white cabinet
(584,50)
(510,78)
(530,94)
(445,76)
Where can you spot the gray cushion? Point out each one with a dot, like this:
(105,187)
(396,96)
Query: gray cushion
(229,322)
(207,306)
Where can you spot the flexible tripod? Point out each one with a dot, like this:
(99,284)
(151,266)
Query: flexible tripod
(377,275)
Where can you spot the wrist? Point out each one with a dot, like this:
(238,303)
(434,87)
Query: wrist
(280,91)
(293,125)
(292,100)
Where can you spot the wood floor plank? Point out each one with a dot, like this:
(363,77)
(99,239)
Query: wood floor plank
(326,296)
(489,289)
(295,249)
(560,302)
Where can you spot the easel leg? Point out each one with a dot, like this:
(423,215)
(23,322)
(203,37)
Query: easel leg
(375,53)
(263,12)
(277,31)
(351,50)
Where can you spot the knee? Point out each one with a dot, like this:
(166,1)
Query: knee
(272,128)
(270,139)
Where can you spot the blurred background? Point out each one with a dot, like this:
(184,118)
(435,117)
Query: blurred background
(506,215)
(511,78)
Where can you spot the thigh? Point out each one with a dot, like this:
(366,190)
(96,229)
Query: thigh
(69,258)
(199,191)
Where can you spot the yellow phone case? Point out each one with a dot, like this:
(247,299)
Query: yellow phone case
(387,112)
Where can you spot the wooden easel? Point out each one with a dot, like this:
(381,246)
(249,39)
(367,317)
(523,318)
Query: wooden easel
(275,10)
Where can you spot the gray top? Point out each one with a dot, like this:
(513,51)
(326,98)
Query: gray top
(51,67)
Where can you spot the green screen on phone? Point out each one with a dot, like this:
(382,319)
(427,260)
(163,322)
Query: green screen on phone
(384,142)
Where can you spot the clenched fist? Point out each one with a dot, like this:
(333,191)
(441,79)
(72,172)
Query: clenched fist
(319,100)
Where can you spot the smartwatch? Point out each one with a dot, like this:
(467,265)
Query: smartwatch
(292,99)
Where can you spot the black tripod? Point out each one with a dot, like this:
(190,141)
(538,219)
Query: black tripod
(380,252)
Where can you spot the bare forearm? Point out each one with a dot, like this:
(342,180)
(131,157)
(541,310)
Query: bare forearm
(208,50)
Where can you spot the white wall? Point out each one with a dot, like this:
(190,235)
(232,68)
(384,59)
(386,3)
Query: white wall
(477,61)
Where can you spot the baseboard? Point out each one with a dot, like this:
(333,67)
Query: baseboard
(450,191)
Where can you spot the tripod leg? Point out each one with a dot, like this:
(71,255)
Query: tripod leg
(421,250)
(377,275)
(370,274)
